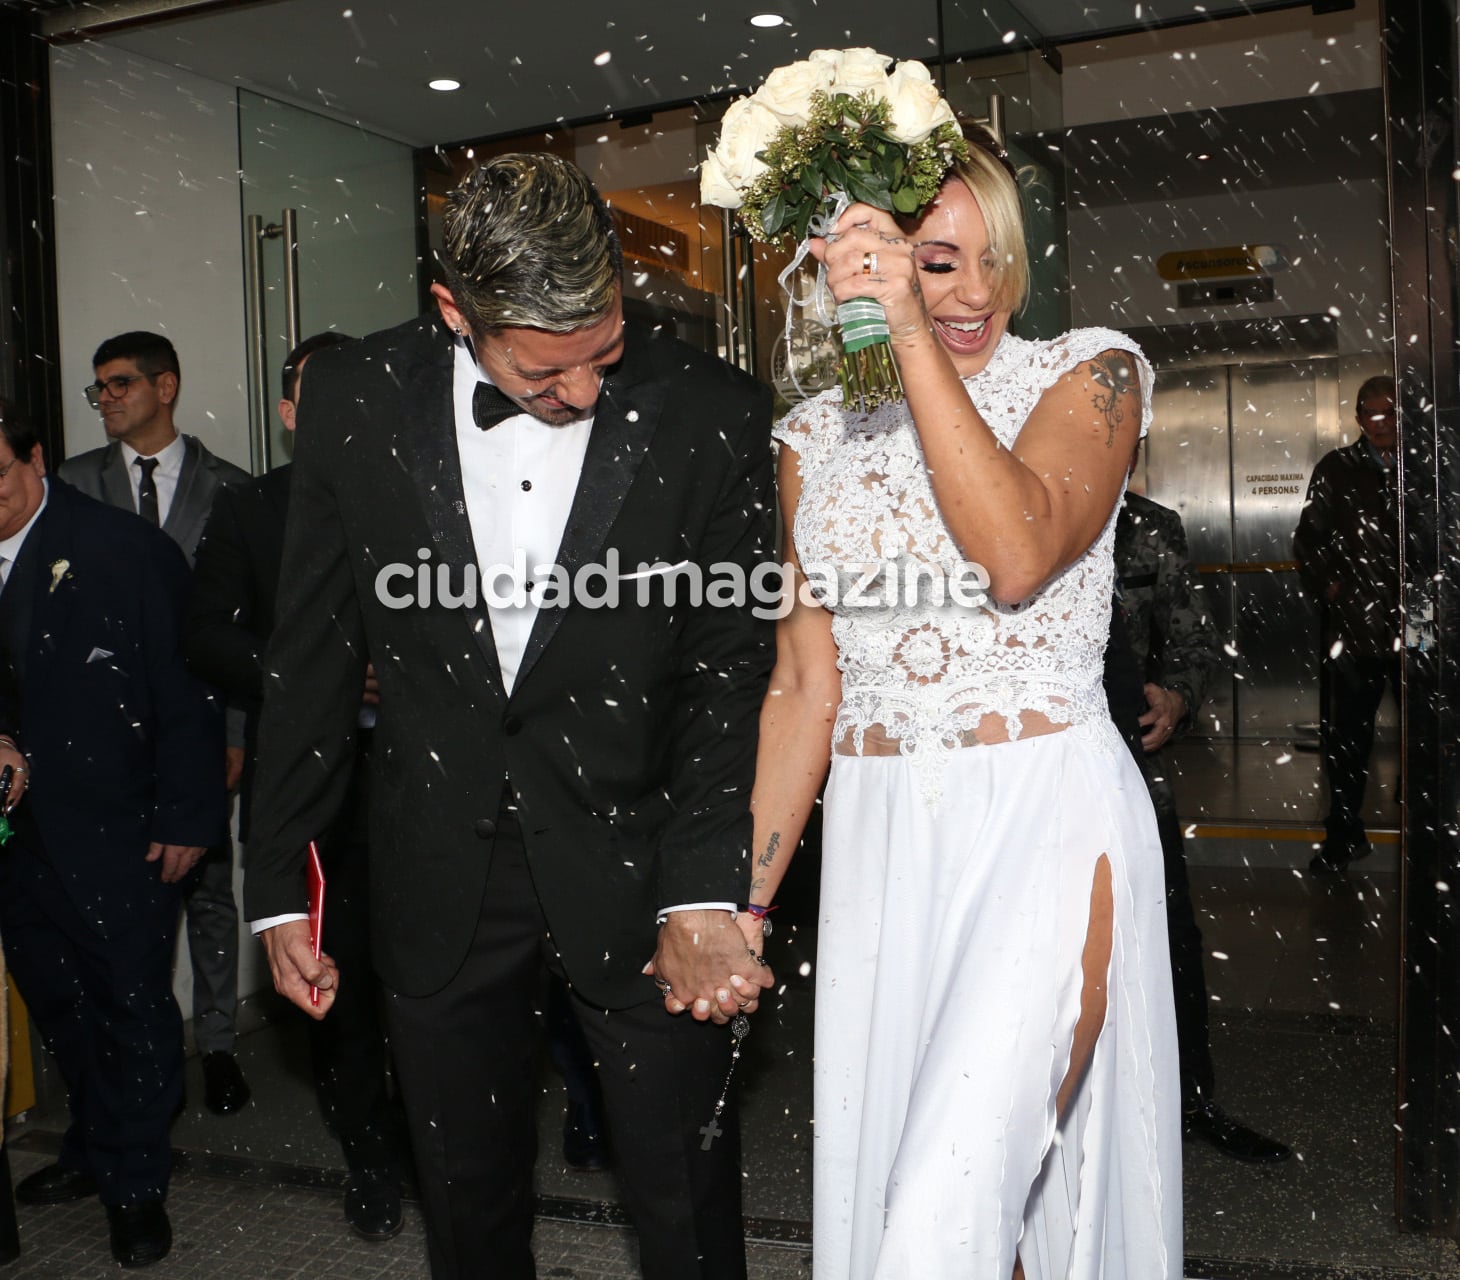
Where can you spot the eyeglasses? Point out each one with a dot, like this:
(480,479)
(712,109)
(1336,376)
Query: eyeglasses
(10,466)
(115,387)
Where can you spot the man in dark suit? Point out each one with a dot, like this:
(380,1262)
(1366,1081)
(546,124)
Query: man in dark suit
(229,619)
(121,746)
(550,777)
(170,479)
(1175,651)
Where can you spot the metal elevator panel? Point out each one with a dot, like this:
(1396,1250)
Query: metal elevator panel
(1231,449)
(1187,466)
(1275,443)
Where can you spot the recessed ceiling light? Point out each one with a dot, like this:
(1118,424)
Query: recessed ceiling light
(444,86)
(766,20)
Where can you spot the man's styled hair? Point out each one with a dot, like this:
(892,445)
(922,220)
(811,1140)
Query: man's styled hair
(151,352)
(289,382)
(16,427)
(1381,384)
(530,244)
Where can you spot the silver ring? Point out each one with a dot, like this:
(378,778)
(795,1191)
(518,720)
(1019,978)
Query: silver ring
(664,987)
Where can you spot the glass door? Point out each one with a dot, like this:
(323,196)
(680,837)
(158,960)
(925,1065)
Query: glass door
(330,243)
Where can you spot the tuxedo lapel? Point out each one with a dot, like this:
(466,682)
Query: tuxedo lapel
(17,601)
(52,588)
(428,447)
(193,496)
(116,485)
(628,412)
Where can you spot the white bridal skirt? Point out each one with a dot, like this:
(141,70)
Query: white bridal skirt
(948,988)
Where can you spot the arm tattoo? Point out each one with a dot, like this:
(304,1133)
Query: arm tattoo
(769,856)
(1115,376)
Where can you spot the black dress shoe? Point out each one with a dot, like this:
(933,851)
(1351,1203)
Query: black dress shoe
(372,1204)
(141,1233)
(224,1088)
(585,1145)
(1210,1123)
(1336,855)
(55,1184)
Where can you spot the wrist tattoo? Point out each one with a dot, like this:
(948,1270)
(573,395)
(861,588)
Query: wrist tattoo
(771,846)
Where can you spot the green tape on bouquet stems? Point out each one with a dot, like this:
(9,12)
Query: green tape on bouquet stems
(863,323)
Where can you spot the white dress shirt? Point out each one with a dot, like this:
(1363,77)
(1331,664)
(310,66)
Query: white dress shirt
(168,473)
(10,547)
(519,480)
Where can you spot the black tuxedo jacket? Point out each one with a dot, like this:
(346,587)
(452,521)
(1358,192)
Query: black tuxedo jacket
(230,612)
(123,742)
(629,737)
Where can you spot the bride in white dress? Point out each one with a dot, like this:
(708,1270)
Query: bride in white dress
(996,1078)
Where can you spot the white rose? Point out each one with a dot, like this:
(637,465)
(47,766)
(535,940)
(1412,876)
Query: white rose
(917,107)
(857,70)
(747,128)
(714,189)
(787,90)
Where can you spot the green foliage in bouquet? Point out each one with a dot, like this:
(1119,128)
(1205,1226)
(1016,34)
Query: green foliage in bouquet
(845,146)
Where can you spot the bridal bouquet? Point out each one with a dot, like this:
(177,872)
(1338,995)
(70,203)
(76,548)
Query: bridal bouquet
(844,125)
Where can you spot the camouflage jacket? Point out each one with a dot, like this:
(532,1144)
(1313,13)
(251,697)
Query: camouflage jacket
(1170,630)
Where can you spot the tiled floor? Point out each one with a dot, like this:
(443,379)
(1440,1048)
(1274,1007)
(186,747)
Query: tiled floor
(1271,782)
(1301,973)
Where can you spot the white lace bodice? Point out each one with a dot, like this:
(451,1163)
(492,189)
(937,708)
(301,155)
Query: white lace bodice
(928,671)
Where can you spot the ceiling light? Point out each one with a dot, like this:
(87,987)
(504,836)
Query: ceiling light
(444,85)
(766,20)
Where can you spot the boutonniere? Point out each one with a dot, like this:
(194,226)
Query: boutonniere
(60,570)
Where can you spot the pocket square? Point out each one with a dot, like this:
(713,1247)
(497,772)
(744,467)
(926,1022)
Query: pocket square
(99,655)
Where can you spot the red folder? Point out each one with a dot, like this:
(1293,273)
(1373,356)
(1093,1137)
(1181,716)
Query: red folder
(316,909)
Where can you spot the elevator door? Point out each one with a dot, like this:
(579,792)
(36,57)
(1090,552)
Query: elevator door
(1231,449)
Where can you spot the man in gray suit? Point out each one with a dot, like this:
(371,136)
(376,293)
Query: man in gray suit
(170,479)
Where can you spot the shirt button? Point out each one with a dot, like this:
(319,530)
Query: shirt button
(485,828)
(511,726)
(527,486)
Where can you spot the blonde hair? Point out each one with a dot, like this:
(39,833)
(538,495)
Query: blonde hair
(991,181)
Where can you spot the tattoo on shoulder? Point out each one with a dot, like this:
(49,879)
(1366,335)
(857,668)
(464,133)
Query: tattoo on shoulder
(771,845)
(1115,376)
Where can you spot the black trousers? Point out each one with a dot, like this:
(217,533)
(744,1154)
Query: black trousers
(348,1048)
(1356,684)
(467,1059)
(105,1010)
(1188,978)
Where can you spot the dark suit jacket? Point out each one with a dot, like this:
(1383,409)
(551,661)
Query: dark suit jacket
(123,742)
(630,735)
(230,612)
(102,474)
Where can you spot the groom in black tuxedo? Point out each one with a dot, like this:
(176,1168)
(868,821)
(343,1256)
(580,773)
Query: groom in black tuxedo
(554,781)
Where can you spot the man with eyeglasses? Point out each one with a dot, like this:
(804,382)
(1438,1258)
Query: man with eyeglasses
(116,794)
(169,480)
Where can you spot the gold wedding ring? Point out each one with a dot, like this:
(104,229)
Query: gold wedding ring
(869,263)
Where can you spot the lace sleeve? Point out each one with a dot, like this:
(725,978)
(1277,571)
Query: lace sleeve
(811,429)
(1079,345)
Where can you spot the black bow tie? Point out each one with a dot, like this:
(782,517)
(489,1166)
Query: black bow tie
(489,406)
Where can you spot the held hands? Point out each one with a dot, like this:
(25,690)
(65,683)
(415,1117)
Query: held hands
(867,256)
(707,959)
(296,971)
